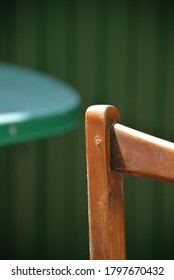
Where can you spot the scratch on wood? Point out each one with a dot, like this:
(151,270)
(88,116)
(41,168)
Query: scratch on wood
(160,154)
(100,203)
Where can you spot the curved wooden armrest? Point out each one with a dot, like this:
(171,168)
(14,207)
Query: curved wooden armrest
(113,149)
(142,154)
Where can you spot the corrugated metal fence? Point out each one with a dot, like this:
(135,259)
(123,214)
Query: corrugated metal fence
(117,52)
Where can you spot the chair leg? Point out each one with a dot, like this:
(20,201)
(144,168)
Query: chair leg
(105,186)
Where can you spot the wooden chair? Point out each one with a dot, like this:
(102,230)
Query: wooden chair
(113,149)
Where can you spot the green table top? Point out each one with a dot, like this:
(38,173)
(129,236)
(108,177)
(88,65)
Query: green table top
(34,105)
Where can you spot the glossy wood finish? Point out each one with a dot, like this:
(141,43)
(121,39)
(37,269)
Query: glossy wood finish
(142,154)
(105,187)
(113,149)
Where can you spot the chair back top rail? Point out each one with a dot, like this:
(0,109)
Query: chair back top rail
(141,154)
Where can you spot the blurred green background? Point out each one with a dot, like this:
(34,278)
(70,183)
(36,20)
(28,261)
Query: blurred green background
(114,52)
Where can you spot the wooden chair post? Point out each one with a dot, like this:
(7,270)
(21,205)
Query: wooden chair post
(105,186)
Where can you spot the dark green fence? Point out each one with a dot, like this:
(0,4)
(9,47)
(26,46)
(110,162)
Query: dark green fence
(117,52)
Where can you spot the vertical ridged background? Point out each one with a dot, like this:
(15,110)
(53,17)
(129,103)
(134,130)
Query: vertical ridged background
(115,52)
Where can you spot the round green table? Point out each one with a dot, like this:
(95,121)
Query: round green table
(34,105)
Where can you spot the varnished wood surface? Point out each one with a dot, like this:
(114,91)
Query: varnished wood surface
(142,154)
(105,187)
(113,149)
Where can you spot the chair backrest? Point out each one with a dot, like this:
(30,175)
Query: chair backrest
(112,150)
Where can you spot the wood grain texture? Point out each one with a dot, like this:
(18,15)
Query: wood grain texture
(113,149)
(105,187)
(142,154)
